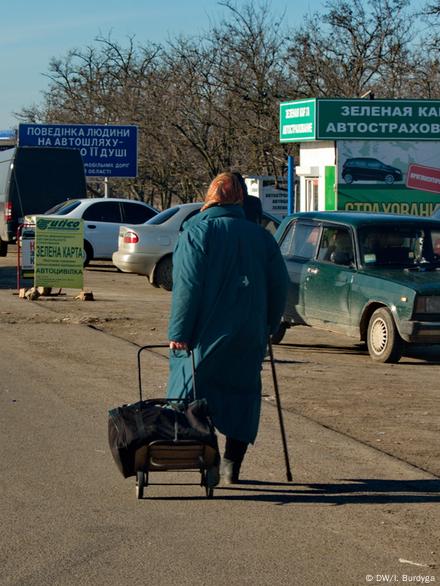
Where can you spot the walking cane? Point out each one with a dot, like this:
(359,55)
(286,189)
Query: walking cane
(280,414)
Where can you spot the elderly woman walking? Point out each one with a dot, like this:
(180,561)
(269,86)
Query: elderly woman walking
(229,292)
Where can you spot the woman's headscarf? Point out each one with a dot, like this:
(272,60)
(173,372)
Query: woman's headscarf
(225,189)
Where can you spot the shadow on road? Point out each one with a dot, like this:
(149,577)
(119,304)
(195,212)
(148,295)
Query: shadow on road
(281,361)
(429,354)
(357,491)
(102,267)
(353,349)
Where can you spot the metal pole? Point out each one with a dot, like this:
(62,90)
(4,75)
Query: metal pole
(280,414)
(193,367)
(290,185)
(105,186)
(18,256)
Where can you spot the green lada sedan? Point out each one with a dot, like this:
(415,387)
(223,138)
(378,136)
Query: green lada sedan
(374,277)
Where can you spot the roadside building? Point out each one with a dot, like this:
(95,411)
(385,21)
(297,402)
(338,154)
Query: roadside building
(365,155)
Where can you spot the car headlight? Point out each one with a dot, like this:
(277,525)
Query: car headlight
(425,304)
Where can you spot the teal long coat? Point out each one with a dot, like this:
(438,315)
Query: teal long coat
(229,292)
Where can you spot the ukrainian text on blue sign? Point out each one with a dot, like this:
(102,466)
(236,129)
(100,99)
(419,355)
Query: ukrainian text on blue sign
(105,150)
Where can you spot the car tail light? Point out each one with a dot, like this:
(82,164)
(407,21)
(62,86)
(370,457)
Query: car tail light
(8,211)
(130,238)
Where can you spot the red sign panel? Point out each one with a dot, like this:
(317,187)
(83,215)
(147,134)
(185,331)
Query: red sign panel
(423,178)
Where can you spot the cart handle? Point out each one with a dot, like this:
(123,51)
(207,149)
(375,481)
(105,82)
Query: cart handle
(150,347)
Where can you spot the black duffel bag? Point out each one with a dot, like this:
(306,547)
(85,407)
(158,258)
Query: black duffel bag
(132,426)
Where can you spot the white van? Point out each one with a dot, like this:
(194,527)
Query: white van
(33,179)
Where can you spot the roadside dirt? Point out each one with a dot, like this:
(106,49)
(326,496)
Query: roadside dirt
(325,377)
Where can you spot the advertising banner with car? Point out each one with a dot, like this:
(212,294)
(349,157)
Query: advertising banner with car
(386,153)
(393,176)
(58,255)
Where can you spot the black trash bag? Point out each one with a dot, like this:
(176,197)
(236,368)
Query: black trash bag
(132,426)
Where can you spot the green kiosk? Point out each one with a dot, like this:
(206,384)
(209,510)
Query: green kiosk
(365,155)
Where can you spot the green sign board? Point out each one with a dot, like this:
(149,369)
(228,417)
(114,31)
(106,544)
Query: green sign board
(399,177)
(361,198)
(297,121)
(58,255)
(360,119)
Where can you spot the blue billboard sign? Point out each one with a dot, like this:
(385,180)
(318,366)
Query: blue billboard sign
(107,151)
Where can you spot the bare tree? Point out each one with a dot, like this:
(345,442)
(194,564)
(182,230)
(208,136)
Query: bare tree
(102,84)
(423,64)
(432,8)
(351,48)
(249,45)
(211,102)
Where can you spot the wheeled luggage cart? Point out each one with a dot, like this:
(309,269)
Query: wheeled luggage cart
(166,455)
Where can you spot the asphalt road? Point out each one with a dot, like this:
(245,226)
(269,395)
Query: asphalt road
(355,513)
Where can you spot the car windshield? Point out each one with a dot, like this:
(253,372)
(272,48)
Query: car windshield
(61,209)
(399,246)
(163,216)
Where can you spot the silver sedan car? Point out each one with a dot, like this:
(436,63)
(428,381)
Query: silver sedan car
(147,249)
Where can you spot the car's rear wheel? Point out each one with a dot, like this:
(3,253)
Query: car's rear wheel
(389,179)
(279,334)
(383,340)
(87,253)
(3,247)
(164,274)
(348,178)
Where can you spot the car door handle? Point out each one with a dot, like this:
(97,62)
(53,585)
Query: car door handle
(312,270)
(91,226)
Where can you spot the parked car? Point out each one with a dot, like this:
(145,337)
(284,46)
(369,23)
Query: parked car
(369,169)
(148,249)
(32,179)
(102,220)
(375,277)
(270,222)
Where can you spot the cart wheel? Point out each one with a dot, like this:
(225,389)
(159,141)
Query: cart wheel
(205,482)
(140,482)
